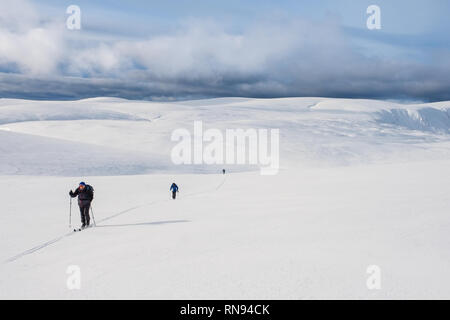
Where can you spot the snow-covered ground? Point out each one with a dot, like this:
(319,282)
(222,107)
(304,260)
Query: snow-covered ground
(361,183)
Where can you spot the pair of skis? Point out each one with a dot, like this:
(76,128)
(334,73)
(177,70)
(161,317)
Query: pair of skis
(70,218)
(80,229)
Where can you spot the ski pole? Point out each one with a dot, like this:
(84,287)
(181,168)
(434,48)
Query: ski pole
(70,214)
(93,218)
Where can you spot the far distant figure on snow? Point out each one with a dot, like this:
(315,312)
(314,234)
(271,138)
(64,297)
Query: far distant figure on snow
(223,171)
(174,189)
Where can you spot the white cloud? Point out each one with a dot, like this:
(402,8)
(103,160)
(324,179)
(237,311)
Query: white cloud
(268,58)
(201,49)
(32,46)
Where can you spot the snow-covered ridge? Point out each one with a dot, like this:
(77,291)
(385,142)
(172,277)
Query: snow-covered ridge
(61,111)
(428,117)
(134,137)
(424,119)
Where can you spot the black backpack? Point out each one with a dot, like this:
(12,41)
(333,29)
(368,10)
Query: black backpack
(90,189)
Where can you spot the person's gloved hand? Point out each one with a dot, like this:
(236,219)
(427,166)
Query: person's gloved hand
(71,193)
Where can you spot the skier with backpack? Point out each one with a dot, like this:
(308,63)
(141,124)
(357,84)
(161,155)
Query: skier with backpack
(85,195)
(174,189)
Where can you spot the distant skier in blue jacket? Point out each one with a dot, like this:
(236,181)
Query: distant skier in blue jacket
(174,189)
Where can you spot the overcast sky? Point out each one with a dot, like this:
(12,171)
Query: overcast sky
(255,48)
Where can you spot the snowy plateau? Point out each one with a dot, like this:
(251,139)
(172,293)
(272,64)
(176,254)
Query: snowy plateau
(361,183)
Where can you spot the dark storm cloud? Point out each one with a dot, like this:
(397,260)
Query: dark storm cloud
(385,84)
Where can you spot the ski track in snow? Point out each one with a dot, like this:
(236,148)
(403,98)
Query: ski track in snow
(50,242)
